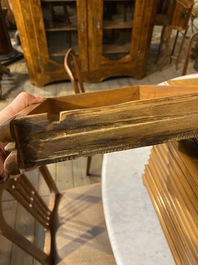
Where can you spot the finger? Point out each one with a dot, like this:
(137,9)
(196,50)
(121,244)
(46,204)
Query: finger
(22,101)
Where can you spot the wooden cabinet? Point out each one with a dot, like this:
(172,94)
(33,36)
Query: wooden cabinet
(112,38)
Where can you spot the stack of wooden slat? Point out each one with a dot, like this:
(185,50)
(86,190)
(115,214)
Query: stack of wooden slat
(171,178)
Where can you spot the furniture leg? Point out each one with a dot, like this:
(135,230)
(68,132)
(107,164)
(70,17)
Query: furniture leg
(167,33)
(180,49)
(188,53)
(88,165)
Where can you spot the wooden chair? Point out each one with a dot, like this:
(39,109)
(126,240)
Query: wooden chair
(73,70)
(73,222)
(162,19)
(193,37)
(178,19)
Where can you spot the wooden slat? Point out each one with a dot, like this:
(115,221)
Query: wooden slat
(171,186)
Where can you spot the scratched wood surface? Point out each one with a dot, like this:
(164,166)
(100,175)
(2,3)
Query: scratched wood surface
(99,122)
(67,174)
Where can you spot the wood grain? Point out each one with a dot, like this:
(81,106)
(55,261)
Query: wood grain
(99,122)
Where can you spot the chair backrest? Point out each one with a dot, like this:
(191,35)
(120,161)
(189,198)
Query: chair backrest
(25,193)
(188,53)
(72,68)
(73,223)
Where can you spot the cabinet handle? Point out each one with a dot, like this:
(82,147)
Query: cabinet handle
(82,27)
(98,25)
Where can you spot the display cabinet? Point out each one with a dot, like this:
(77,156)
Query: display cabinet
(111,38)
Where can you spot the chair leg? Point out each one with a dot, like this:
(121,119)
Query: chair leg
(88,165)
(177,57)
(192,23)
(160,44)
(188,53)
(168,32)
(181,47)
(174,46)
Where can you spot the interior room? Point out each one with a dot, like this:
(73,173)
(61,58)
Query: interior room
(115,46)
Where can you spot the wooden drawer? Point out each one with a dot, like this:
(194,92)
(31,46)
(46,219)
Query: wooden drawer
(104,121)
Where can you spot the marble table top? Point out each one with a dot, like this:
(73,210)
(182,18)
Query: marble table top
(134,230)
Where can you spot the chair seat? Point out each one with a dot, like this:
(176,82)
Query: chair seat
(81,236)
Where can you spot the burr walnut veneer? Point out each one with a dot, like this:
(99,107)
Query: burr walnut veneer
(112,38)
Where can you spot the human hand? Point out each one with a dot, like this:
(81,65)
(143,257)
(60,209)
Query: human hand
(22,101)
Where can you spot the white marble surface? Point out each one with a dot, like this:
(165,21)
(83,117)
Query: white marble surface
(183,77)
(134,230)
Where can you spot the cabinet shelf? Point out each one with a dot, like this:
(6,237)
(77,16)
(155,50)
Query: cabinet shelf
(57,1)
(62,51)
(58,57)
(116,48)
(109,24)
(63,28)
(60,41)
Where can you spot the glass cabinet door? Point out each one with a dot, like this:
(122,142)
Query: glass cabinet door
(112,32)
(117,28)
(62,20)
